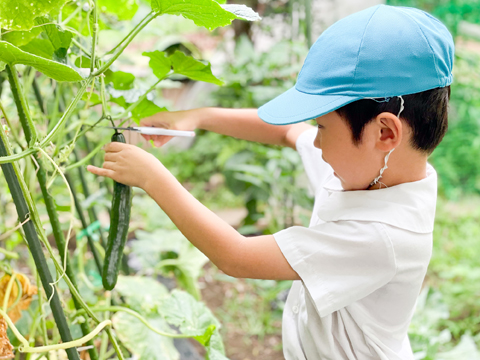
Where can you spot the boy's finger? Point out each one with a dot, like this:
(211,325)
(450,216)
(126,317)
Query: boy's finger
(109,156)
(99,171)
(114,146)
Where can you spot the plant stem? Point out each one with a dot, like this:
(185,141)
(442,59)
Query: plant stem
(140,99)
(81,47)
(11,173)
(38,95)
(12,129)
(22,107)
(66,114)
(124,43)
(91,243)
(9,254)
(94,35)
(91,211)
(138,316)
(87,158)
(51,134)
(51,209)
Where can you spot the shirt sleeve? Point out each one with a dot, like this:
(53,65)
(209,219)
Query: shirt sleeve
(339,262)
(317,170)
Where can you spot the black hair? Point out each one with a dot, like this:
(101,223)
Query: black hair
(425,112)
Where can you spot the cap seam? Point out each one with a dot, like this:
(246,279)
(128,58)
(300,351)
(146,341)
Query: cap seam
(284,117)
(360,47)
(429,46)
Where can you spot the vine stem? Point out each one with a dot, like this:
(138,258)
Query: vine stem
(62,245)
(12,129)
(8,291)
(52,133)
(26,208)
(26,348)
(138,316)
(9,254)
(117,51)
(22,106)
(140,99)
(94,35)
(88,157)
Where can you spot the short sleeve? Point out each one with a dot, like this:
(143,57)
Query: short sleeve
(339,262)
(317,170)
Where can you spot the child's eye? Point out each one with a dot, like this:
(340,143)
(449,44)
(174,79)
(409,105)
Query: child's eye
(320,126)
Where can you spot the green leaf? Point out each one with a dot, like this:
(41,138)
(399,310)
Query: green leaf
(141,293)
(19,38)
(59,38)
(149,245)
(149,249)
(142,342)
(145,109)
(191,316)
(159,62)
(192,68)
(20,14)
(119,79)
(82,62)
(94,98)
(242,11)
(57,71)
(40,47)
(207,13)
(123,9)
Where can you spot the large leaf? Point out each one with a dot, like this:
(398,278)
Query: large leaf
(59,38)
(182,65)
(149,245)
(159,62)
(191,316)
(207,13)
(123,9)
(241,11)
(141,293)
(40,47)
(149,249)
(20,14)
(192,68)
(144,343)
(12,55)
(19,38)
(120,80)
(145,109)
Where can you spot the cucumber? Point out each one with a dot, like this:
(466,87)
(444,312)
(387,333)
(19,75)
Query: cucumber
(117,236)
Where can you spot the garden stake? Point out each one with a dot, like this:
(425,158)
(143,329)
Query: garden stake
(36,251)
(91,243)
(53,216)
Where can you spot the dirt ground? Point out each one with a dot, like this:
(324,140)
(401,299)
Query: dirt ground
(239,345)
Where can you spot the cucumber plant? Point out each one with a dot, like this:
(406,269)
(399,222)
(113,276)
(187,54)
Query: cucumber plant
(62,88)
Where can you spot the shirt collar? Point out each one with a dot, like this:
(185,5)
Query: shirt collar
(409,206)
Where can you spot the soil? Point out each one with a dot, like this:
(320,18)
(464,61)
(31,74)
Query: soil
(239,345)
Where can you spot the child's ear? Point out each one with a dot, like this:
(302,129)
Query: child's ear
(390,131)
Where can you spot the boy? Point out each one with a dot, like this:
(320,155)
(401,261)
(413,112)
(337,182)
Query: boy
(377,83)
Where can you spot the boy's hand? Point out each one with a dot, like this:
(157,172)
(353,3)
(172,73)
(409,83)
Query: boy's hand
(127,164)
(186,120)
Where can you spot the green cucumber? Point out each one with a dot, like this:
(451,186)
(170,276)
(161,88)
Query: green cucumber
(117,236)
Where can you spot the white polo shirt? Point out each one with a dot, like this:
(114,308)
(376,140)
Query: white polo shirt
(362,262)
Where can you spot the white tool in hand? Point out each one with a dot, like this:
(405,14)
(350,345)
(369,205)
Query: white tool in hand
(148,130)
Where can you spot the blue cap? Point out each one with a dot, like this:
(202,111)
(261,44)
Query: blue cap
(382,51)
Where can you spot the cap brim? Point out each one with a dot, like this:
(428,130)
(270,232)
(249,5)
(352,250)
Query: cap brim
(294,106)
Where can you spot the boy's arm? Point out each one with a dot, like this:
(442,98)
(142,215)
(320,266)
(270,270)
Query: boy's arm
(246,257)
(253,257)
(245,124)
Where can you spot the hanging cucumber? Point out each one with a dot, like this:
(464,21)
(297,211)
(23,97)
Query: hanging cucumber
(117,236)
